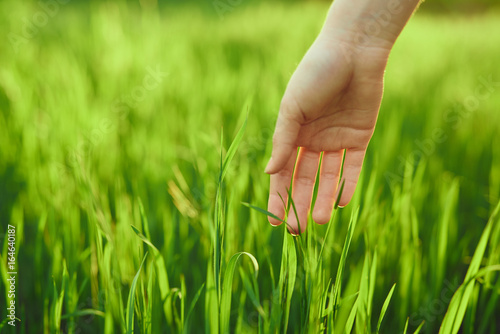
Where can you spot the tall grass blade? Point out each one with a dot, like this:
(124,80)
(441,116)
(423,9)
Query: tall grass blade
(458,305)
(191,308)
(343,257)
(233,148)
(131,299)
(384,308)
(327,233)
(163,282)
(350,319)
(58,302)
(288,273)
(225,305)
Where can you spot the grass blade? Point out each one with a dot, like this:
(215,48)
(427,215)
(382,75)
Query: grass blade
(320,256)
(233,148)
(191,308)
(419,327)
(384,308)
(143,238)
(267,213)
(458,305)
(350,319)
(131,298)
(225,306)
(163,282)
(343,257)
(406,326)
(58,302)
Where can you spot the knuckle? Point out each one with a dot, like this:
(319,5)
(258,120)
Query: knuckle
(306,181)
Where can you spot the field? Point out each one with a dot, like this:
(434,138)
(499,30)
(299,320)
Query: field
(127,200)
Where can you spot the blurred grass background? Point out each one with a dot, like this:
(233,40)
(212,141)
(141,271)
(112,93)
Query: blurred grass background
(108,104)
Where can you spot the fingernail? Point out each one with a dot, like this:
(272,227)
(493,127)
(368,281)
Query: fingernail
(271,223)
(267,170)
(292,232)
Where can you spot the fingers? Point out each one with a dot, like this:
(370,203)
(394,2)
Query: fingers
(280,183)
(285,137)
(302,190)
(352,167)
(328,184)
(303,186)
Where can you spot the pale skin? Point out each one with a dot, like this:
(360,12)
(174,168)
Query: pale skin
(330,106)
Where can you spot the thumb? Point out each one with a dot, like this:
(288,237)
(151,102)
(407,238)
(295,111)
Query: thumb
(285,137)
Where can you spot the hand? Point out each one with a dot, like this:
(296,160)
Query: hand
(330,105)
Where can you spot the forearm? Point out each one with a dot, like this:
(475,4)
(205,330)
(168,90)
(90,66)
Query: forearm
(368,23)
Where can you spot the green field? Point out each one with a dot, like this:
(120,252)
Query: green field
(115,124)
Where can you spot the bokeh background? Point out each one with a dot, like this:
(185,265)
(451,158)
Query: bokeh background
(115,114)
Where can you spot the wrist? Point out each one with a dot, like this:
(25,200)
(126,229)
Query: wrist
(368,23)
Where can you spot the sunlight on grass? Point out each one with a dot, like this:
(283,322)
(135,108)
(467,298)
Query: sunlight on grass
(126,131)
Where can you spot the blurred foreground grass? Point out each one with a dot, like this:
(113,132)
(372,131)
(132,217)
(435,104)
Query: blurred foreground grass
(107,106)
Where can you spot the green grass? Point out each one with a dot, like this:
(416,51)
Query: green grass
(101,164)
